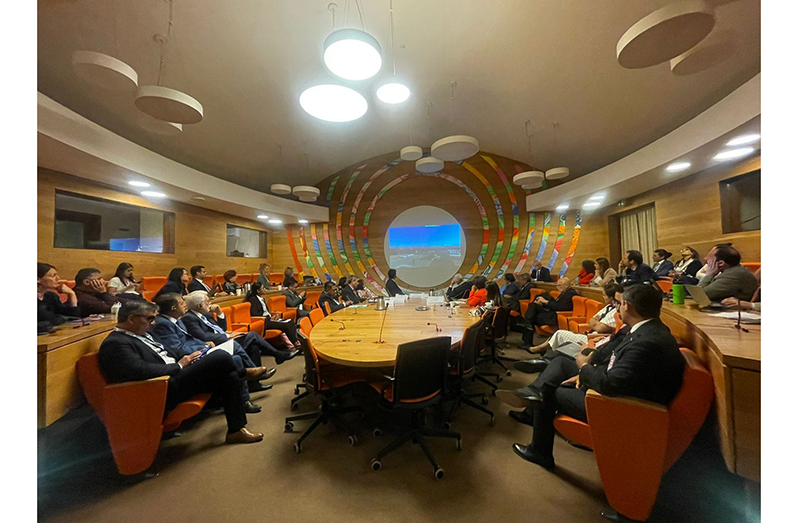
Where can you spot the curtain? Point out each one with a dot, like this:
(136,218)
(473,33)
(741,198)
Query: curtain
(639,232)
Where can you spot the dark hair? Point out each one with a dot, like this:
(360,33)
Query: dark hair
(635,256)
(589,266)
(42,269)
(120,272)
(494,294)
(646,299)
(729,255)
(391,273)
(525,276)
(263,266)
(693,253)
(717,245)
(228,275)
(665,254)
(167,301)
(288,271)
(254,289)
(329,285)
(135,308)
(480,283)
(195,269)
(342,281)
(82,274)
(509,276)
(612,288)
(176,275)
(603,264)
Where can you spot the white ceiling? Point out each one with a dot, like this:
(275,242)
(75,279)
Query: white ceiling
(247,62)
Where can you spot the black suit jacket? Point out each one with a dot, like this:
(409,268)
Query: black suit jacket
(547,314)
(664,268)
(172,286)
(326,298)
(171,335)
(348,294)
(124,358)
(647,365)
(641,273)
(521,294)
(392,288)
(542,274)
(196,285)
(199,330)
(293,299)
(255,308)
(457,292)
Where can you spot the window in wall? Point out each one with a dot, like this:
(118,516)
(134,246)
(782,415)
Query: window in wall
(740,203)
(245,243)
(638,229)
(85,222)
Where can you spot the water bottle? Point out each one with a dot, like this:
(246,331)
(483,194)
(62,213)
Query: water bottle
(115,309)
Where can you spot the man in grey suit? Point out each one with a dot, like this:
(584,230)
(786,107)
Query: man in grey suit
(726,278)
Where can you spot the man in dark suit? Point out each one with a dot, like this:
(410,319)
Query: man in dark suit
(129,353)
(200,323)
(294,298)
(458,287)
(633,270)
(539,272)
(645,363)
(391,286)
(543,310)
(329,295)
(198,274)
(92,293)
(169,330)
(348,293)
(523,283)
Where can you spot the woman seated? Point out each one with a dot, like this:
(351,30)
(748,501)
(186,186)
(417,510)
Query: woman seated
(175,282)
(230,286)
(688,265)
(123,283)
(588,272)
(494,294)
(51,310)
(602,324)
(662,265)
(258,308)
(390,285)
(478,295)
(289,277)
(263,277)
(604,273)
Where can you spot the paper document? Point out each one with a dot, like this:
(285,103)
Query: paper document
(745,317)
(226,346)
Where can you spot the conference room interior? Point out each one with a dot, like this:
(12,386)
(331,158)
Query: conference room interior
(427,226)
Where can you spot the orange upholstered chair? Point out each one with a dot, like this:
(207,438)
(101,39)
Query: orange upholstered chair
(276,278)
(71,285)
(579,324)
(228,313)
(554,294)
(312,299)
(579,310)
(752,266)
(277,304)
(316,315)
(242,318)
(241,279)
(665,285)
(327,308)
(305,325)
(152,283)
(635,441)
(133,413)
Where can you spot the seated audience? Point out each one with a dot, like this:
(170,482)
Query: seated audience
(725,277)
(123,282)
(170,330)
(543,310)
(296,299)
(494,294)
(662,265)
(588,272)
(604,273)
(645,363)
(259,309)
(289,277)
(479,294)
(390,285)
(633,270)
(129,353)
(458,288)
(342,281)
(230,286)
(93,297)
(330,295)
(539,272)
(524,283)
(263,277)
(755,304)
(510,288)
(349,291)
(200,323)
(51,311)
(198,274)
(703,270)
(688,265)
(175,282)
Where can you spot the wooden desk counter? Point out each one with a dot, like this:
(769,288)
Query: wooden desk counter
(734,358)
(355,345)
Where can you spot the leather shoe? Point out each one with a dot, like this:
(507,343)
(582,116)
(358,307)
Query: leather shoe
(522,417)
(251,408)
(521,398)
(255,373)
(256,386)
(243,436)
(532,366)
(288,355)
(525,452)
(268,374)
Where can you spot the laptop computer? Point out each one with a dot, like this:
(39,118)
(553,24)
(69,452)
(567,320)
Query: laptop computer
(701,298)
(570,349)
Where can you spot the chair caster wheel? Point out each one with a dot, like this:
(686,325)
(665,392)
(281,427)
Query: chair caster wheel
(447,425)
(376,465)
(352,440)
(289,426)
(297,448)
(509,373)
(360,415)
(459,444)
(439,473)
(296,391)
(493,391)
(484,400)
(377,432)
(493,421)
(294,406)
(499,379)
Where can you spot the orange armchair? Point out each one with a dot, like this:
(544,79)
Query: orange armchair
(242,318)
(752,266)
(635,442)
(579,324)
(579,310)
(133,414)
(152,283)
(316,315)
(276,278)
(228,313)
(305,325)
(277,304)
(312,299)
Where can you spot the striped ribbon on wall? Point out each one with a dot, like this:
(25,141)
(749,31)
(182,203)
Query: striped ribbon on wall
(293,251)
(315,242)
(304,246)
(528,245)
(557,243)
(339,220)
(499,213)
(544,239)
(326,228)
(514,204)
(574,242)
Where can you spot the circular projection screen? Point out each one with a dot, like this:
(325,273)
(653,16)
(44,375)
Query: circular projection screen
(425,245)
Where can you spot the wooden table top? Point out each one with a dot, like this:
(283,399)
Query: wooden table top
(356,345)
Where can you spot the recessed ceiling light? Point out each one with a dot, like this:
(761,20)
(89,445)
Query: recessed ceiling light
(333,103)
(596,197)
(591,205)
(263,217)
(677,166)
(734,153)
(303,221)
(134,183)
(744,139)
(198,198)
(153,194)
(393,93)
(563,207)
(352,54)
(275,221)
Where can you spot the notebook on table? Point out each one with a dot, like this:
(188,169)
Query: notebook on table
(701,298)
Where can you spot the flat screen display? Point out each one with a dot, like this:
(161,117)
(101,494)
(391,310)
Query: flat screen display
(424,236)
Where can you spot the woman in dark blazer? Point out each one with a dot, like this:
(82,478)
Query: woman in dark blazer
(257,307)
(175,282)
(289,277)
(689,265)
(390,285)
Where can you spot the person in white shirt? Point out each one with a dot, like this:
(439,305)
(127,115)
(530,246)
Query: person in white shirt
(123,281)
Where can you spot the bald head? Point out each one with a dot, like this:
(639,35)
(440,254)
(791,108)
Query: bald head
(564,282)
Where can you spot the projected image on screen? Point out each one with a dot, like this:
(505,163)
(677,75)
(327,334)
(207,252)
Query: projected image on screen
(425,245)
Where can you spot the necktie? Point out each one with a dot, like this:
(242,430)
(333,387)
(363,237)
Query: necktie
(207,322)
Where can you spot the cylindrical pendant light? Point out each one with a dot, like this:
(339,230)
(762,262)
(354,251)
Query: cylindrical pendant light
(352,54)
(104,71)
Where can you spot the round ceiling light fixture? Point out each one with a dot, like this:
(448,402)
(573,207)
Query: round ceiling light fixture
(352,54)
(280,188)
(333,103)
(665,34)
(702,57)
(306,193)
(154,125)
(153,194)
(557,173)
(531,186)
(732,154)
(303,222)
(169,105)
(455,148)
(393,93)
(105,71)
(411,153)
(678,166)
(529,179)
(275,221)
(263,216)
(744,139)
(136,183)
(429,165)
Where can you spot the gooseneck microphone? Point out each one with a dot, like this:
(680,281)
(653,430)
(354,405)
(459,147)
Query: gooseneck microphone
(437,329)
(343,325)
(738,326)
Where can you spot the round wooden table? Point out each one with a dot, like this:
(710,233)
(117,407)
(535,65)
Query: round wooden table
(356,344)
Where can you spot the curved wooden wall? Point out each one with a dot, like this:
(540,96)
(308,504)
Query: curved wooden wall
(501,236)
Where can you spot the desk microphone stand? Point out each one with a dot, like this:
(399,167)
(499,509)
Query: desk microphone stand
(737,325)
(381,307)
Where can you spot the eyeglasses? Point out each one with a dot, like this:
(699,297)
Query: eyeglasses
(150,319)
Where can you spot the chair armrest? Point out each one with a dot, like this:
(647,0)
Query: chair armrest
(290,314)
(240,325)
(581,328)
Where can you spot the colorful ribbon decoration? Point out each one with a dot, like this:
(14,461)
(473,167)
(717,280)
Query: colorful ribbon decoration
(557,243)
(574,241)
(514,204)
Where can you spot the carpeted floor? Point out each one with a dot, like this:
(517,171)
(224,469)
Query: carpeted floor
(202,480)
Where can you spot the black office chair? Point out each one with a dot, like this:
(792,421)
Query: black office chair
(418,382)
(328,382)
(497,330)
(464,369)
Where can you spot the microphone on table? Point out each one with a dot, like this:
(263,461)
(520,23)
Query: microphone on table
(343,325)
(739,318)
(437,329)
